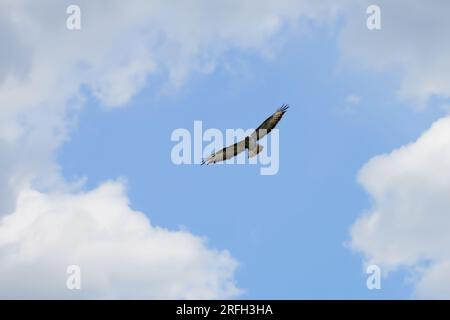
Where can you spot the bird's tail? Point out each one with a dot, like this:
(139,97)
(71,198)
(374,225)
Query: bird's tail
(254,151)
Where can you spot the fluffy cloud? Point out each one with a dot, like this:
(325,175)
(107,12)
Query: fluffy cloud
(45,70)
(121,255)
(43,65)
(413,41)
(409,221)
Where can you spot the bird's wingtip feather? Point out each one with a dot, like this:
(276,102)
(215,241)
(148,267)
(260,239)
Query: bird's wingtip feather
(284,108)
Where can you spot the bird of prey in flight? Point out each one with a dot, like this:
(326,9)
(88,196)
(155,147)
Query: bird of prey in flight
(250,141)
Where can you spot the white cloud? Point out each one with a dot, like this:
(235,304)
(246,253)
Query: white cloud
(435,283)
(43,64)
(408,223)
(45,225)
(413,41)
(121,255)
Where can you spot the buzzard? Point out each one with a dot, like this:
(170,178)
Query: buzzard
(250,141)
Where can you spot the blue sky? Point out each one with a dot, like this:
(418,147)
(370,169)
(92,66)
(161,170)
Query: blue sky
(288,231)
(87,180)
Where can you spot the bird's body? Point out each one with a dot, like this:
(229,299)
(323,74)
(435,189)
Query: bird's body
(250,142)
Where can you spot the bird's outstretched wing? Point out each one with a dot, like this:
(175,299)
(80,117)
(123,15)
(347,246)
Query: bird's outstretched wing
(225,153)
(269,123)
(254,148)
